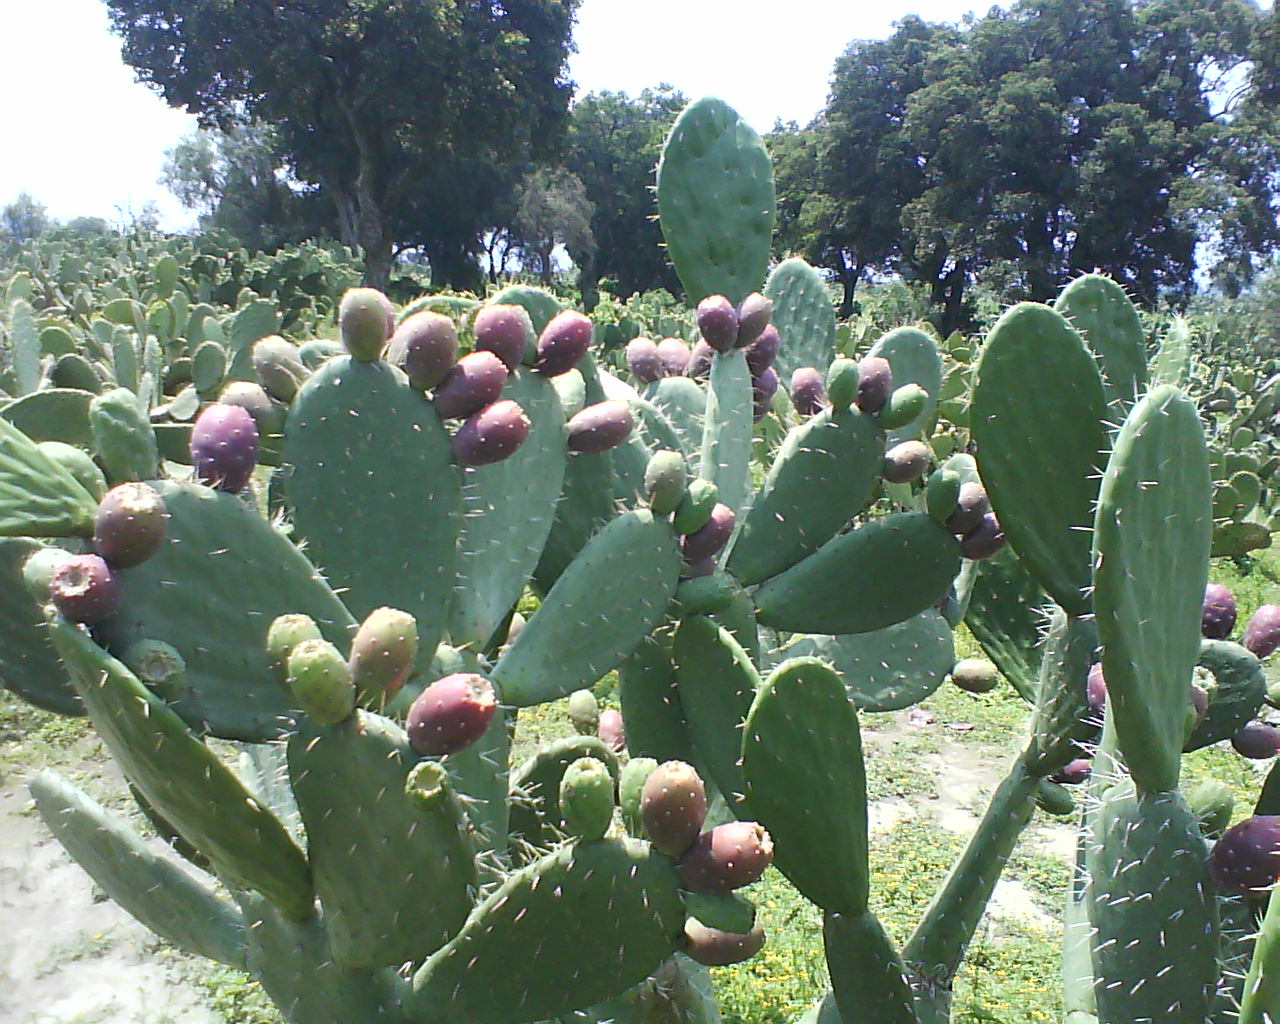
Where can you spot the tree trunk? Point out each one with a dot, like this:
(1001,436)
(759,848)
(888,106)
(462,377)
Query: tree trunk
(849,278)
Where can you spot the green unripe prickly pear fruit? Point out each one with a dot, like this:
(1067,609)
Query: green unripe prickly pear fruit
(635,773)
(727,912)
(79,464)
(1054,799)
(584,712)
(665,482)
(975,675)
(904,406)
(38,570)
(695,507)
(428,785)
(159,666)
(365,318)
(586,798)
(1213,803)
(941,493)
(320,681)
(382,655)
(278,367)
(706,595)
(842,384)
(673,806)
(284,634)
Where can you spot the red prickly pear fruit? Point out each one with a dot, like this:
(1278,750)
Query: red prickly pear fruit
(1262,631)
(425,347)
(491,435)
(906,462)
(1247,857)
(707,541)
(278,367)
(1257,741)
(754,314)
(451,714)
(475,381)
(675,357)
(1073,773)
(714,948)
(673,806)
(599,427)
(808,392)
(611,731)
(382,655)
(563,342)
(320,680)
(506,331)
(1218,617)
(975,675)
(875,383)
(224,447)
(366,320)
(984,540)
(1096,690)
(643,360)
(763,351)
(726,858)
(84,589)
(971,506)
(130,525)
(718,322)
(699,363)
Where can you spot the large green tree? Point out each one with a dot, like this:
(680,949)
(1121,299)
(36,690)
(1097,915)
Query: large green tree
(368,95)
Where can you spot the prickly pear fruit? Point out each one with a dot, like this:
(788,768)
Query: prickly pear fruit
(1247,857)
(875,383)
(586,798)
(698,570)
(665,482)
(904,406)
(278,367)
(842,383)
(718,322)
(975,675)
(491,435)
(984,540)
(763,351)
(320,681)
(906,462)
(707,541)
(268,415)
(728,912)
(130,525)
(451,714)
(643,360)
(1257,741)
(1052,798)
(714,948)
(699,362)
(1262,631)
(1197,707)
(1096,690)
(673,806)
(382,655)
(513,628)
(365,321)
(808,393)
(284,634)
(941,494)
(428,785)
(1213,803)
(563,342)
(79,463)
(584,712)
(611,731)
(755,312)
(159,666)
(694,509)
(425,347)
(726,858)
(1218,618)
(706,595)
(631,789)
(84,589)
(971,505)
(506,331)
(675,357)
(475,381)
(224,447)
(1073,773)
(600,427)
(763,387)
(38,570)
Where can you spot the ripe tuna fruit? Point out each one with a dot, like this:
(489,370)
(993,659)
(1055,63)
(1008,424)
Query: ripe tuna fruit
(673,805)
(1247,857)
(382,654)
(643,360)
(1262,632)
(130,525)
(563,342)
(875,383)
(714,948)
(224,447)
(491,435)
(600,427)
(710,538)
(675,357)
(699,362)
(451,714)
(1218,618)
(984,540)
(763,351)
(84,589)
(1073,773)
(474,382)
(506,331)
(1096,690)
(754,314)
(906,462)
(975,675)
(610,730)
(808,392)
(726,858)
(425,346)
(718,322)
(971,506)
(1257,741)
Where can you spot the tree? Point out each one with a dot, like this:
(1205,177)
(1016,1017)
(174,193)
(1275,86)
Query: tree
(364,93)
(22,221)
(554,210)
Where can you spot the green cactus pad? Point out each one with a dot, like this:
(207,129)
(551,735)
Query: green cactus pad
(803,315)
(596,613)
(123,438)
(153,887)
(1151,548)
(535,789)
(915,360)
(1102,314)
(650,699)
(231,689)
(821,477)
(884,572)
(1241,687)
(29,666)
(1040,447)
(1172,362)
(1062,722)
(182,779)
(349,781)
(886,669)
(356,434)
(1006,614)
(704,595)
(867,976)
(38,498)
(802,761)
(726,436)
(716,202)
(56,414)
(684,404)
(579,925)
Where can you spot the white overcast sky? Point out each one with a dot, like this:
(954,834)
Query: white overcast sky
(85,139)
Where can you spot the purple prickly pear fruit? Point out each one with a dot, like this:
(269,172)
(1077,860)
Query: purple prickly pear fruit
(675,357)
(906,462)
(600,427)
(1073,773)
(425,346)
(475,381)
(320,681)
(130,525)
(808,392)
(726,858)
(224,447)
(707,541)
(714,948)
(643,360)
(1218,617)
(673,806)
(268,415)
(698,569)
(1257,741)
(763,388)
(718,322)
(491,435)
(699,364)
(875,383)
(1262,632)
(984,540)
(506,331)
(365,321)
(1247,857)
(563,342)
(754,314)
(84,589)
(284,634)
(971,506)
(382,654)
(763,351)
(1096,690)
(278,367)
(611,731)
(975,675)
(584,712)
(1197,706)
(451,714)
